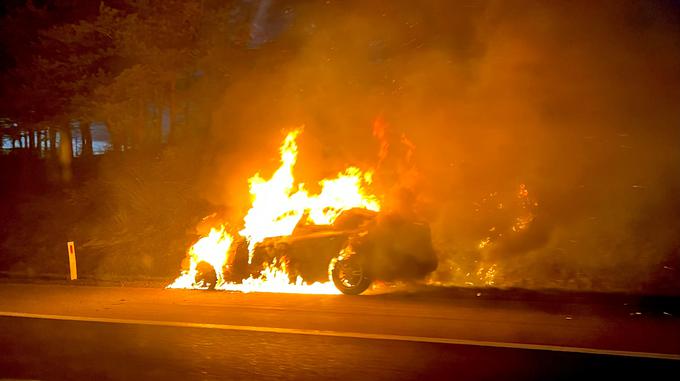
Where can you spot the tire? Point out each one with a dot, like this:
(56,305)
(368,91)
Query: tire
(205,275)
(349,276)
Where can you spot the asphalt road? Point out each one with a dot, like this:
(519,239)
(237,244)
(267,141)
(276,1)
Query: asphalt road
(97,333)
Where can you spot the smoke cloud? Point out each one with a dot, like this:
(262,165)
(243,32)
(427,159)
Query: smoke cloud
(540,140)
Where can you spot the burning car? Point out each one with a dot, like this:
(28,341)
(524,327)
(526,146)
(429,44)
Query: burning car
(360,246)
(292,240)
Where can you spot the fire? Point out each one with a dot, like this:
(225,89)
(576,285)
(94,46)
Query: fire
(278,206)
(524,205)
(274,278)
(213,249)
(520,214)
(487,275)
(484,243)
(275,209)
(523,221)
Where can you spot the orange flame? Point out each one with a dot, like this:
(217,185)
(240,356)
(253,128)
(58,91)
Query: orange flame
(278,205)
(213,249)
(274,278)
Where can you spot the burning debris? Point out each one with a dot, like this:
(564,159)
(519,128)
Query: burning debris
(503,224)
(507,223)
(296,242)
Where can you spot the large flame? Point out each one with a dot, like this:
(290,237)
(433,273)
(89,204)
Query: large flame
(278,205)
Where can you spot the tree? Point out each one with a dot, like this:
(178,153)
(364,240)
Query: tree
(132,64)
(52,75)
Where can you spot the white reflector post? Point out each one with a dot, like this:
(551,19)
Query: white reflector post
(72,260)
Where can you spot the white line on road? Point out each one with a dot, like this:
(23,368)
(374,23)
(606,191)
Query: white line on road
(353,335)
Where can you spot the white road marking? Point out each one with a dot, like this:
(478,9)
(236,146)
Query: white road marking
(353,335)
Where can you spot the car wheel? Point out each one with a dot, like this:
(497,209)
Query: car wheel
(205,275)
(349,276)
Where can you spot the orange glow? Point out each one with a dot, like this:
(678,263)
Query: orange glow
(523,221)
(484,243)
(278,205)
(274,278)
(213,249)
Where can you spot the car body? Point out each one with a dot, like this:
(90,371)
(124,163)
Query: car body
(359,247)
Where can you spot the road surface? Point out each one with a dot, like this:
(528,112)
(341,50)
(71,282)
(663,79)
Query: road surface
(79,332)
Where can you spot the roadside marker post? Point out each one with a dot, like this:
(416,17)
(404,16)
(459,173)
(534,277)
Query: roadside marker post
(72,260)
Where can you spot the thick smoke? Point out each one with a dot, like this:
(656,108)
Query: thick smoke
(546,134)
